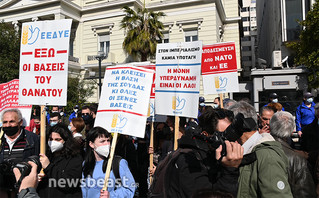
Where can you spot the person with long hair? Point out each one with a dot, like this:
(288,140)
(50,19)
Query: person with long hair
(62,165)
(98,142)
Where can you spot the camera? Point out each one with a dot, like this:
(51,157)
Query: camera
(232,133)
(7,178)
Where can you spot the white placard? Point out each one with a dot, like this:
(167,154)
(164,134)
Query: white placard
(44,62)
(178,78)
(124,100)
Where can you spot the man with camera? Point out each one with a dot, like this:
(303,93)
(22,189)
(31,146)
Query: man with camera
(17,144)
(193,166)
(264,168)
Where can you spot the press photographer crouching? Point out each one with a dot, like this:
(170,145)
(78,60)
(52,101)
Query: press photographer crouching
(193,166)
(17,144)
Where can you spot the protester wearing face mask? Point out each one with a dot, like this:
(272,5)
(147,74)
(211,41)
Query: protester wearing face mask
(98,142)
(17,144)
(305,112)
(87,116)
(77,127)
(61,165)
(273,98)
(74,114)
(55,118)
(34,125)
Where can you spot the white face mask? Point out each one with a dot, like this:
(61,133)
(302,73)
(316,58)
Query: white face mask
(75,110)
(275,100)
(310,100)
(55,146)
(215,106)
(103,150)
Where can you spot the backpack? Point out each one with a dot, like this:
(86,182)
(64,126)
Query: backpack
(163,172)
(115,167)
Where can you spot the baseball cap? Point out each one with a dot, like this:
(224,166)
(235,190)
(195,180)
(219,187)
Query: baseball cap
(273,95)
(307,95)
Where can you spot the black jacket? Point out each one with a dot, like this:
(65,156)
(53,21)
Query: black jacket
(32,147)
(199,170)
(310,137)
(299,176)
(66,169)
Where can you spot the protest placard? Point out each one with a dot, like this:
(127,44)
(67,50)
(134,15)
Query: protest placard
(219,68)
(124,100)
(9,96)
(44,62)
(178,78)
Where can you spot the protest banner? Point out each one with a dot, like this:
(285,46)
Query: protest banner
(219,68)
(178,78)
(124,100)
(44,62)
(9,96)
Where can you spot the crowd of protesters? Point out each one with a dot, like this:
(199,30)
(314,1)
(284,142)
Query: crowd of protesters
(229,150)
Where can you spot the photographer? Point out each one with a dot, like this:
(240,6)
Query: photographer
(29,183)
(17,144)
(193,167)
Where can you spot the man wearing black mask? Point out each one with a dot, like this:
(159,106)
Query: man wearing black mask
(87,116)
(17,144)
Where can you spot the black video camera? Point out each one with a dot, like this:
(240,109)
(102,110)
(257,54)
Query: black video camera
(7,178)
(232,133)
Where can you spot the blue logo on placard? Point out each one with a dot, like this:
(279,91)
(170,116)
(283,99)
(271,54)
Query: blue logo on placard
(152,108)
(222,82)
(121,122)
(180,103)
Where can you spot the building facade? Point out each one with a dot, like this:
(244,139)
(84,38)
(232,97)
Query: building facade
(96,26)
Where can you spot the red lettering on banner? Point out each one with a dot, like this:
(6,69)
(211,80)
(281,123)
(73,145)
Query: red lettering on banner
(42,92)
(44,52)
(219,58)
(49,67)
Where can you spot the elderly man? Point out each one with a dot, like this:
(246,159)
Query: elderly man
(266,113)
(264,171)
(299,176)
(17,144)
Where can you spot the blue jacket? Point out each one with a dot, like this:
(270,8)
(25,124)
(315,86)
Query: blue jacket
(91,186)
(304,115)
(73,115)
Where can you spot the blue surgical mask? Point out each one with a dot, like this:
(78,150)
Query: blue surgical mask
(275,100)
(69,127)
(215,106)
(310,100)
(53,123)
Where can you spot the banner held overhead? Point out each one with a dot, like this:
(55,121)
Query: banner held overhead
(44,62)
(178,78)
(219,68)
(124,100)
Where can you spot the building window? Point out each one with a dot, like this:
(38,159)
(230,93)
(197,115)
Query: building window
(165,38)
(252,9)
(71,46)
(246,38)
(246,48)
(104,43)
(246,29)
(246,58)
(191,36)
(253,19)
(245,18)
(245,9)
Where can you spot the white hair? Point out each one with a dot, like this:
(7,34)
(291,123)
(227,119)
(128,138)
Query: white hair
(282,124)
(17,111)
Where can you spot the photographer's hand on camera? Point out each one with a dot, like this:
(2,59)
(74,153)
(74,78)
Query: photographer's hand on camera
(234,154)
(30,181)
(44,160)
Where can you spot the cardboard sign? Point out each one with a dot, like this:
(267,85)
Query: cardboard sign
(219,68)
(44,62)
(178,78)
(124,100)
(9,96)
